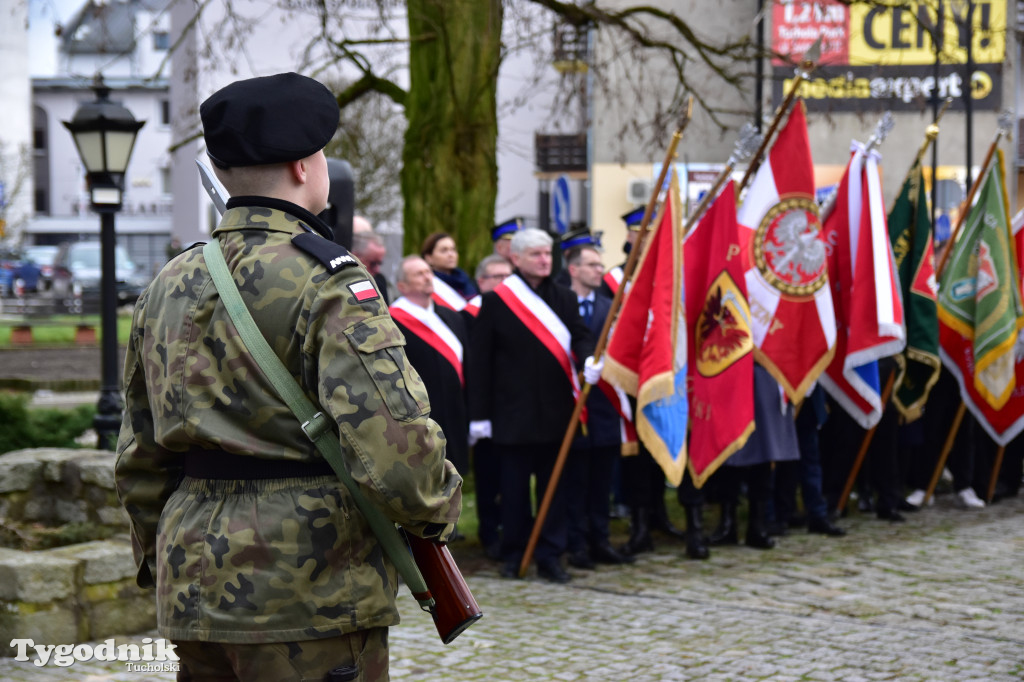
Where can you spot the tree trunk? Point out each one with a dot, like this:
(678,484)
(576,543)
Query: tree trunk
(450,173)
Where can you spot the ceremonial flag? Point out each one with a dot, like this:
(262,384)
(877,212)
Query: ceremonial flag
(792,319)
(865,290)
(980,312)
(910,231)
(647,353)
(721,359)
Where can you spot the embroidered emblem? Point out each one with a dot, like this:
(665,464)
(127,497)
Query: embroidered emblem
(788,250)
(363,290)
(723,328)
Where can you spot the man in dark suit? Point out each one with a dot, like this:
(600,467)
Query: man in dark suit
(522,387)
(490,272)
(435,342)
(593,454)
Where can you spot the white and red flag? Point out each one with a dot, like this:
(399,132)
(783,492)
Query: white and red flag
(865,290)
(792,319)
(647,355)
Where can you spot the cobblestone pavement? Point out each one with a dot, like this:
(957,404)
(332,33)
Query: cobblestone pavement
(940,597)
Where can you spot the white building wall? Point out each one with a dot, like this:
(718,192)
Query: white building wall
(16,131)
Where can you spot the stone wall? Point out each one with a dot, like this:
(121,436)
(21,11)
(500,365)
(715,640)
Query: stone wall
(54,486)
(80,592)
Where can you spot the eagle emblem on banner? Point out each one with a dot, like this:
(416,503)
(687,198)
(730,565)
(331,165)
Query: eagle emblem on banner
(787,249)
(723,327)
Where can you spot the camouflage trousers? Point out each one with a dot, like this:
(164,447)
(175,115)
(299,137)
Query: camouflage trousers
(361,656)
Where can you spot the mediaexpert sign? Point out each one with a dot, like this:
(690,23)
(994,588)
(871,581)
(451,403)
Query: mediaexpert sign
(875,56)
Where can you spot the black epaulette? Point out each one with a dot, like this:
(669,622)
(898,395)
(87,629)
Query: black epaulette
(334,256)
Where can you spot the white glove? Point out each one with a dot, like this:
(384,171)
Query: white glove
(479,430)
(592,369)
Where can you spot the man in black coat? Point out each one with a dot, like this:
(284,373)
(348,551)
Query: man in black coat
(593,455)
(521,377)
(435,343)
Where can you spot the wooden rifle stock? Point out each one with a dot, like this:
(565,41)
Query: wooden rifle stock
(454,608)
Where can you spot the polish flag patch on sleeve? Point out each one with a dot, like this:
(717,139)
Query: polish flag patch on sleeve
(363,290)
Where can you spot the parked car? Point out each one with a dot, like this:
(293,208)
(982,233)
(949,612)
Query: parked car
(43,256)
(17,273)
(77,270)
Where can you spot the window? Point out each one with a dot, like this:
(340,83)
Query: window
(165,112)
(161,40)
(39,129)
(166,186)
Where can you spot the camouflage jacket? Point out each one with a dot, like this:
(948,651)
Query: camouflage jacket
(281,559)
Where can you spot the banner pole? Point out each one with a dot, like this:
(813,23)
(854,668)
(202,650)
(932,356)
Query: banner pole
(744,149)
(807,64)
(581,401)
(997,465)
(965,207)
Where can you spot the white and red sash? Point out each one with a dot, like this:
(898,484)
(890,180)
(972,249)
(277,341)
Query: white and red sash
(542,322)
(445,295)
(430,329)
(627,428)
(613,278)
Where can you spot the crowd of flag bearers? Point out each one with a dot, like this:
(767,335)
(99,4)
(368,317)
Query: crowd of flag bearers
(757,347)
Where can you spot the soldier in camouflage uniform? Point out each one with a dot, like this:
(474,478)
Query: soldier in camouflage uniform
(263,567)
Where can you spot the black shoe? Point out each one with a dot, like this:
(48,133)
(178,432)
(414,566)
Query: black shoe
(659,520)
(890,515)
(604,553)
(776,529)
(639,533)
(823,526)
(757,533)
(582,560)
(551,570)
(696,545)
(864,505)
(726,533)
(509,569)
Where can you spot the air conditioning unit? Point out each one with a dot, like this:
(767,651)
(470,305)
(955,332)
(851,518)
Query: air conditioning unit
(638,191)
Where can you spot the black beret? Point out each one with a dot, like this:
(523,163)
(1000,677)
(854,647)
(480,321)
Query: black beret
(271,119)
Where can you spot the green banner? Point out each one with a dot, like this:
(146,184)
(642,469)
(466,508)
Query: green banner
(979,295)
(910,231)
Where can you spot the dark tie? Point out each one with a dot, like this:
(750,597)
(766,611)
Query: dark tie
(587,310)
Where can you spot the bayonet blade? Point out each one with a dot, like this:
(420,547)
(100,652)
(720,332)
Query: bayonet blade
(212,187)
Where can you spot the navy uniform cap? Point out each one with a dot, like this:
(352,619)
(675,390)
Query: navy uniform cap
(578,237)
(506,229)
(634,217)
(270,119)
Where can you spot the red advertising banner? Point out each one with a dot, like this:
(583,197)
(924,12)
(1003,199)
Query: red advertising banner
(796,25)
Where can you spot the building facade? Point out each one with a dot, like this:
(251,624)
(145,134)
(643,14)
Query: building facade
(875,59)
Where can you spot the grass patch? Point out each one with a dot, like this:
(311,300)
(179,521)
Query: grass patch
(59,330)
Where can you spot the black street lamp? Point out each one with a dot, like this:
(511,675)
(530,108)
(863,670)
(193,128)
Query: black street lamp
(104,134)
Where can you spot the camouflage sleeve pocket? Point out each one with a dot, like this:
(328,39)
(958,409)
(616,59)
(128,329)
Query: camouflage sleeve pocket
(383,356)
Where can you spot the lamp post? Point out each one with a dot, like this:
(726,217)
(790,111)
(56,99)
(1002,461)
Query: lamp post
(104,133)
